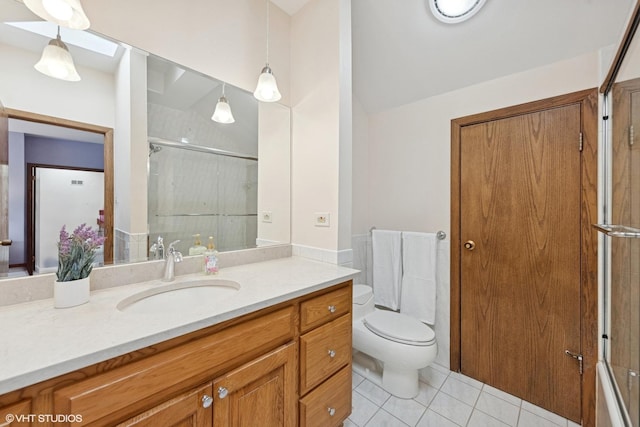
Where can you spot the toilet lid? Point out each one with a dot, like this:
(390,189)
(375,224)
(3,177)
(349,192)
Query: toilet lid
(399,327)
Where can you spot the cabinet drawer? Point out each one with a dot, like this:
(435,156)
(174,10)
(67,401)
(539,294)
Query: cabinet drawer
(323,308)
(324,351)
(329,404)
(124,390)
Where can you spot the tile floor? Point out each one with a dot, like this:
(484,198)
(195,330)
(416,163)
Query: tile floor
(446,399)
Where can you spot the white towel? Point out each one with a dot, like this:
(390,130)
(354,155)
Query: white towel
(419,276)
(387,267)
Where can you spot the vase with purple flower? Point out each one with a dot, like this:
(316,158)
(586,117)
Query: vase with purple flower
(76,256)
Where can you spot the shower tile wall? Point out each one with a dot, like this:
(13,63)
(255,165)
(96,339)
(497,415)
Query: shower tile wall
(199,193)
(362,258)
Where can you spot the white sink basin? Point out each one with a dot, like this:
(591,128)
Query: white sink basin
(180,296)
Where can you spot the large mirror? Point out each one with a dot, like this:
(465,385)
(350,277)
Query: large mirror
(622,244)
(132,149)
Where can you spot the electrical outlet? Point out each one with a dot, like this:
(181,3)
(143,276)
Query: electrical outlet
(267,216)
(322,219)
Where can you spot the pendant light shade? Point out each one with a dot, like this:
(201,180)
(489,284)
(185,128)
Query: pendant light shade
(66,13)
(56,61)
(222,113)
(267,88)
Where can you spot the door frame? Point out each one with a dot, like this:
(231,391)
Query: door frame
(588,101)
(108,165)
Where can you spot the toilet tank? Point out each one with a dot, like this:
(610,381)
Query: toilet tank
(362,300)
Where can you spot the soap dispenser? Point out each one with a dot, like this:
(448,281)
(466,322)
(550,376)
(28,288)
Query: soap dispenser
(211,258)
(197,248)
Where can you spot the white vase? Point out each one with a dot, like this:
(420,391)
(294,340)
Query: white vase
(72,293)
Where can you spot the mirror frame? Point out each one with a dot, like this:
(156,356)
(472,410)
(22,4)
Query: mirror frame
(108,172)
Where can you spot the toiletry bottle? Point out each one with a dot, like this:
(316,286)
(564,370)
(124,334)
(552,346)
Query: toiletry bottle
(211,258)
(197,248)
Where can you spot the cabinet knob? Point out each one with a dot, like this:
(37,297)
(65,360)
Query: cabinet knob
(332,308)
(332,411)
(332,353)
(206,401)
(222,392)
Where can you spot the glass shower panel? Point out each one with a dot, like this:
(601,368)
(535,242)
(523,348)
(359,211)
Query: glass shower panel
(195,192)
(623,243)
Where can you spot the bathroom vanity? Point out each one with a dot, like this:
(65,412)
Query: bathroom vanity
(277,355)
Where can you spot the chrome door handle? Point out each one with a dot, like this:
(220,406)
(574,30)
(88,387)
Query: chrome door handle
(470,245)
(331,308)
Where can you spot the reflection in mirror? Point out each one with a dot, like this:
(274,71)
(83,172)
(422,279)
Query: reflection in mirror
(202,174)
(211,193)
(622,350)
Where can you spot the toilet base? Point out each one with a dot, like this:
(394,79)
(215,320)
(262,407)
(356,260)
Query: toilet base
(402,383)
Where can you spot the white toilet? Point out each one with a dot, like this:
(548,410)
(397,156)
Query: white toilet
(399,345)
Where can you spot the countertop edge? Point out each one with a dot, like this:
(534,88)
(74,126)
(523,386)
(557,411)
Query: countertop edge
(26,379)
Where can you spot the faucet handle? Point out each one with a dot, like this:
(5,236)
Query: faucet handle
(173,243)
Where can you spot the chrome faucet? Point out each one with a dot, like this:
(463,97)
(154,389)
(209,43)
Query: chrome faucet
(173,256)
(157,249)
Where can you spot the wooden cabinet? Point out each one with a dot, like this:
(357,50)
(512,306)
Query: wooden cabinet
(18,414)
(190,409)
(283,366)
(325,359)
(262,392)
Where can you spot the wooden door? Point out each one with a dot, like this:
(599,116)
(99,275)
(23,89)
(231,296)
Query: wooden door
(189,409)
(520,278)
(262,392)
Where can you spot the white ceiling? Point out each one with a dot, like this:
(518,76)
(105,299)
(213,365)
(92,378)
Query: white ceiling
(402,54)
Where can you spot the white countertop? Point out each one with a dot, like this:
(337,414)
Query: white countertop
(38,342)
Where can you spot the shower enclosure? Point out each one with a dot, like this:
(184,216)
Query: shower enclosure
(198,190)
(202,175)
(621,228)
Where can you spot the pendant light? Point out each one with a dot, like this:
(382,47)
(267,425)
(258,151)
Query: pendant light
(56,61)
(66,13)
(222,113)
(267,89)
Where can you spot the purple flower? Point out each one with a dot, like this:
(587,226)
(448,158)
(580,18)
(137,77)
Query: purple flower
(76,252)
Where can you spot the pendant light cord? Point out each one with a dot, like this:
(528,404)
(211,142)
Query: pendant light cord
(268,1)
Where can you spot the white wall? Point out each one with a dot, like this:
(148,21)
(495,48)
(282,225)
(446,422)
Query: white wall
(274,177)
(409,146)
(221,38)
(24,88)
(16,198)
(321,128)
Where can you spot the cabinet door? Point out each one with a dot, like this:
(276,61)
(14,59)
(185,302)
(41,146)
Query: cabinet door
(190,409)
(18,414)
(261,392)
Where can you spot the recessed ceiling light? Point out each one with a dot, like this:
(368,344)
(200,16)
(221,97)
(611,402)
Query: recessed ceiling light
(454,11)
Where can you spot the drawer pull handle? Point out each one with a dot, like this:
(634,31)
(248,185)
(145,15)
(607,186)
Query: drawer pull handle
(222,392)
(332,308)
(206,401)
(332,411)
(332,353)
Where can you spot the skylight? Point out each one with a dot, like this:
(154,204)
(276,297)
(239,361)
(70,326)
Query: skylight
(77,38)
(453,11)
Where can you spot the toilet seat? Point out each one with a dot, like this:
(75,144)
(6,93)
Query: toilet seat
(400,328)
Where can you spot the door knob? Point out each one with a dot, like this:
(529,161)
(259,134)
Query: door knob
(206,401)
(6,242)
(470,245)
